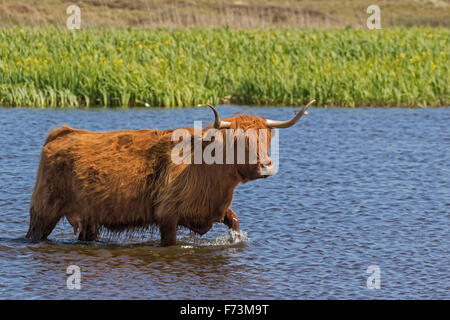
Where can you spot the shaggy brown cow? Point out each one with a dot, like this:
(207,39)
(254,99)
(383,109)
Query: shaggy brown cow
(126,180)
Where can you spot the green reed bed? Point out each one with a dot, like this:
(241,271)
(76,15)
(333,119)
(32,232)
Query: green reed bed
(47,66)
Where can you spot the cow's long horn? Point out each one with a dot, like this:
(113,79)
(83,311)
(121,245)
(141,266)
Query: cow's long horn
(218,124)
(289,123)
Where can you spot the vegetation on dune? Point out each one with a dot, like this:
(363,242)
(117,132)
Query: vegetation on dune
(47,66)
(239,14)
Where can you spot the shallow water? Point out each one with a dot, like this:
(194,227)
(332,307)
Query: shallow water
(356,187)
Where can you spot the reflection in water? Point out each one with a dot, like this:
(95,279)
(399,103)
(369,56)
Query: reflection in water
(132,266)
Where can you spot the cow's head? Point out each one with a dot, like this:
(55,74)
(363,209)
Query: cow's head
(253,135)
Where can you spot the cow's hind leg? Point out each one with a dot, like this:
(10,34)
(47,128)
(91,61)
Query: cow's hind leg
(48,201)
(42,223)
(88,232)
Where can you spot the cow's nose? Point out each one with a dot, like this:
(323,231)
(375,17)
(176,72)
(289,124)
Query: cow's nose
(267,169)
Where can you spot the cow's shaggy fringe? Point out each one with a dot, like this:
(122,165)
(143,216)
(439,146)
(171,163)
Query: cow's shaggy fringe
(135,234)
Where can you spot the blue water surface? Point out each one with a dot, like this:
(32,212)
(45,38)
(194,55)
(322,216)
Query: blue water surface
(355,188)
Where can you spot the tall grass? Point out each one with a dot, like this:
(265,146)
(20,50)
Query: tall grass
(47,66)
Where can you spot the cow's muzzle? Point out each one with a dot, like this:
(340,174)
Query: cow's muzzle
(267,169)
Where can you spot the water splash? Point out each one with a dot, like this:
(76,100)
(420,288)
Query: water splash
(229,237)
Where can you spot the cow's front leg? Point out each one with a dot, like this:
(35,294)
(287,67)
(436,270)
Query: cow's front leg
(231,220)
(168,231)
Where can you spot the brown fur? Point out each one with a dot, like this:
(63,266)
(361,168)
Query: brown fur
(125,180)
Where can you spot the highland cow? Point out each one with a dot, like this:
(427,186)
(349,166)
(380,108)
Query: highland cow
(126,180)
